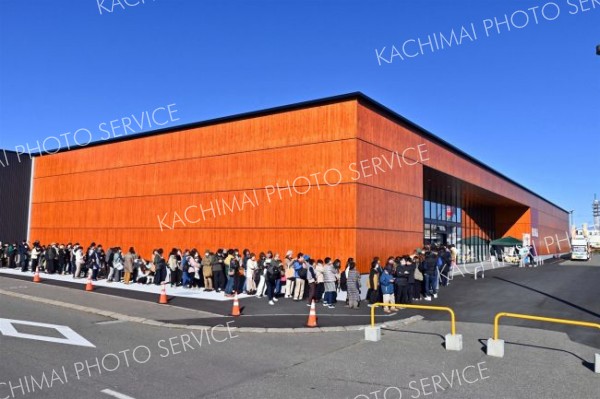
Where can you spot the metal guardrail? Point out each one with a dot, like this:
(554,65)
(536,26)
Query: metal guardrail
(477,268)
(539,318)
(425,307)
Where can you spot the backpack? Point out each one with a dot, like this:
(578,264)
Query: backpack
(303,273)
(344,282)
(274,271)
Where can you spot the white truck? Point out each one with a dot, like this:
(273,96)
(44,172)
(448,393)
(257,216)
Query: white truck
(580,248)
(594,238)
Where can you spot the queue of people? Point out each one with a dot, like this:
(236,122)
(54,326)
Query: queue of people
(401,280)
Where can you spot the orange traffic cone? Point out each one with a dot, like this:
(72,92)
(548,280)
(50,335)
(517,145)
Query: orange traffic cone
(36,275)
(235,311)
(89,286)
(163,295)
(312,316)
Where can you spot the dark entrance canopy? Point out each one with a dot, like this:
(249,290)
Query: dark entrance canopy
(507,242)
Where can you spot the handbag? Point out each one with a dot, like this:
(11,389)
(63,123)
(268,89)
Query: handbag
(418,274)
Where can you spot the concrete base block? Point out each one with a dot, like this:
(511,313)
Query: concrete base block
(373,334)
(597,364)
(454,342)
(495,347)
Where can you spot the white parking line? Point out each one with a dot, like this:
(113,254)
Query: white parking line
(115,394)
(8,329)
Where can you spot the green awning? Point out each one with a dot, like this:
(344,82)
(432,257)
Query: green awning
(507,242)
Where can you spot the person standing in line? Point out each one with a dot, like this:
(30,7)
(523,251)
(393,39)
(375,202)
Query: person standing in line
(24,255)
(217,262)
(404,275)
(290,274)
(311,281)
(50,257)
(231,268)
(93,262)
(446,257)
(353,285)
(251,267)
(12,255)
(320,269)
(193,265)
(110,263)
(453,256)
(430,274)
(79,260)
(173,264)
(387,288)
(273,275)
(373,282)
(300,277)
(61,259)
(238,282)
(118,266)
(35,254)
(244,271)
(207,271)
(259,275)
(329,283)
(161,267)
(128,262)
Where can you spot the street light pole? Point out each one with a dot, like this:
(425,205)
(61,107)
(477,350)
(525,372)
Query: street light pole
(571,220)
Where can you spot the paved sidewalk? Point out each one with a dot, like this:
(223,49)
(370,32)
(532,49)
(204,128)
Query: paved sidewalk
(145,288)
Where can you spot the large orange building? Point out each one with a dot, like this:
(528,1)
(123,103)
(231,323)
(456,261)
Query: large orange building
(340,177)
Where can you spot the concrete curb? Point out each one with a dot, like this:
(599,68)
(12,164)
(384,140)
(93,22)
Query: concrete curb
(141,320)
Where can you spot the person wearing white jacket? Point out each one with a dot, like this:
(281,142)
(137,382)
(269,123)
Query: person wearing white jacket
(251,266)
(78,261)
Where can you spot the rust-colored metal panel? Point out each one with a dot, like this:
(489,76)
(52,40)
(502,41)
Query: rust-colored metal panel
(288,129)
(136,193)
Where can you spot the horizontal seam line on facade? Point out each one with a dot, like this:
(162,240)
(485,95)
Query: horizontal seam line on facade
(229,228)
(192,158)
(389,191)
(357,182)
(391,151)
(190,193)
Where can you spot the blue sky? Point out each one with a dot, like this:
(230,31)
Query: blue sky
(524,101)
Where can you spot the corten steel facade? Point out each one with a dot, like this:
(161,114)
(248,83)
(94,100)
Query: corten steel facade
(115,193)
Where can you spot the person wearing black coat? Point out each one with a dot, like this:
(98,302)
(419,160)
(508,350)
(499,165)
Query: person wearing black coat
(430,274)
(404,273)
(161,267)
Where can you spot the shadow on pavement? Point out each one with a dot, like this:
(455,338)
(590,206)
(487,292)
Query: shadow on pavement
(585,363)
(550,296)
